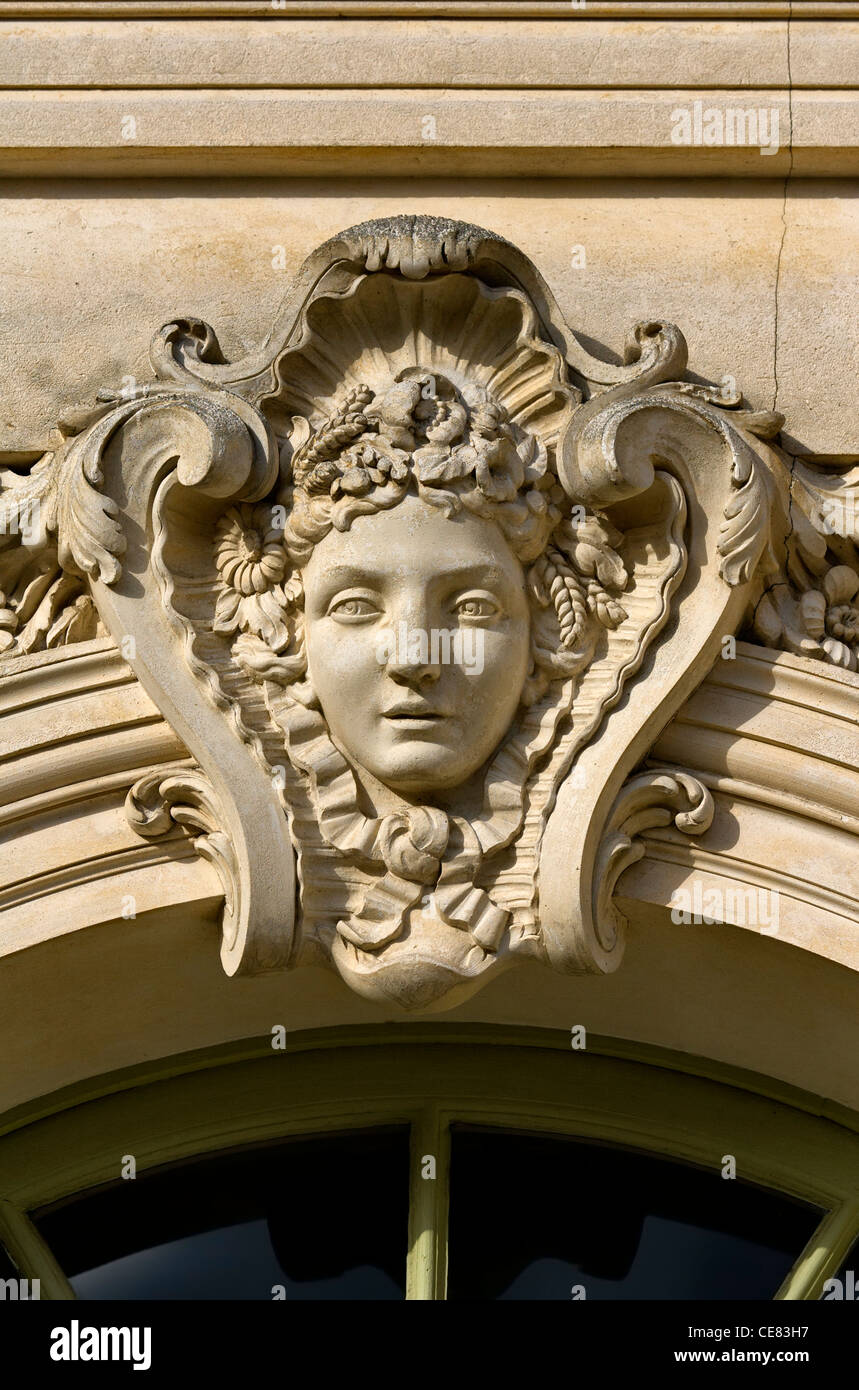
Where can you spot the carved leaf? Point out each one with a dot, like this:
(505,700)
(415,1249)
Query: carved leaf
(744,530)
(91,537)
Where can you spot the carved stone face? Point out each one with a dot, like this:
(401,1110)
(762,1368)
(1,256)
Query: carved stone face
(417,632)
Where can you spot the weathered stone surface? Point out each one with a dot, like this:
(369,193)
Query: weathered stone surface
(423,450)
(478,53)
(153,800)
(89,269)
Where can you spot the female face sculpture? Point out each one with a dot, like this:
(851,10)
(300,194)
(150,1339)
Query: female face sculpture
(411,625)
(418,639)
(429,581)
(418,615)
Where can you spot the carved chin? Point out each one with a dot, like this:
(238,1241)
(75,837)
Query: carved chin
(424,781)
(420,768)
(430,971)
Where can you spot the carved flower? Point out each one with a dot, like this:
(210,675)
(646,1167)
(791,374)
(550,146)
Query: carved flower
(443,421)
(435,465)
(499,470)
(251,563)
(364,467)
(831,618)
(392,410)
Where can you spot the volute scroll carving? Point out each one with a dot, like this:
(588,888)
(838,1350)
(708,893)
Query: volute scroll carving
(418,584)
(167,798)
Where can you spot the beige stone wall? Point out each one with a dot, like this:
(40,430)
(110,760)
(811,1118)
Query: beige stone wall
(253,139)
(91,270)
(225,139)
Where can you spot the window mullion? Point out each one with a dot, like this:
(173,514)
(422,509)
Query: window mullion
(426,1276)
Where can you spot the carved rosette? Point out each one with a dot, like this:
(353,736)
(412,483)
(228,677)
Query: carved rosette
(417,358)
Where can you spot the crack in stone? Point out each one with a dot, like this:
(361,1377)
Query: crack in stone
(787,179)
(779,579)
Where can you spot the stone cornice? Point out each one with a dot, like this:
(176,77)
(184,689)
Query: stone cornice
(430,9)
(309,90)
(236,133)
(460,54)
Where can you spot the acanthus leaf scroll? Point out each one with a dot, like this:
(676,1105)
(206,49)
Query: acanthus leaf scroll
(312,545)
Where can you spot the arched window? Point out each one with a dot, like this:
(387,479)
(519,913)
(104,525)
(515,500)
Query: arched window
(430,1162)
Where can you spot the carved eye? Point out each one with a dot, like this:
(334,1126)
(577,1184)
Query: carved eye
(353,608)
(476,606)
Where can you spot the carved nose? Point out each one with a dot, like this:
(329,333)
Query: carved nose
(412,659)
(408,672)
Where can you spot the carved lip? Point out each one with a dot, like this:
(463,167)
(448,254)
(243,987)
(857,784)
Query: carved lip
(414,720)
(412,714)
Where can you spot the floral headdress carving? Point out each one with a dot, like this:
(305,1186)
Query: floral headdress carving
(456,452)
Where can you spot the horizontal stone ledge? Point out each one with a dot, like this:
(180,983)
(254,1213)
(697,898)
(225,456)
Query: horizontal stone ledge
(441,9)
(459,53)
(511,162)
(330,53)
(432,131)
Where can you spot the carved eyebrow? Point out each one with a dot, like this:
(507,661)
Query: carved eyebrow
(354,574)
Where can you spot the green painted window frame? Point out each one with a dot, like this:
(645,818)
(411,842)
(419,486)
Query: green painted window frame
(432,1077)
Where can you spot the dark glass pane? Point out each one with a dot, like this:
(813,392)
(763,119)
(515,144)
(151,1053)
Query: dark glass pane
(324,1218)
(845,1285)
(532,1217)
